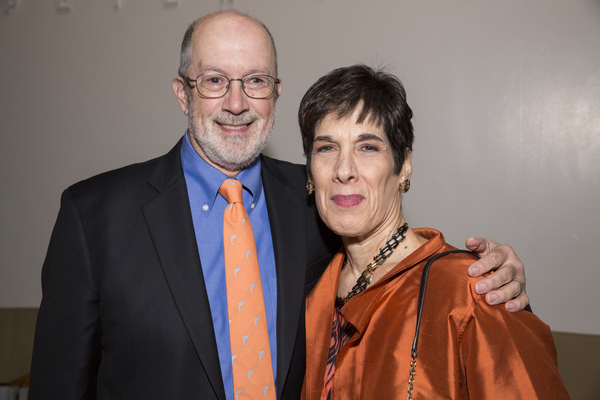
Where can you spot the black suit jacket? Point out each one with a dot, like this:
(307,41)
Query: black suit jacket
(125,313)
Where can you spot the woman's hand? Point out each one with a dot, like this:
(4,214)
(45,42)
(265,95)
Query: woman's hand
(507,284)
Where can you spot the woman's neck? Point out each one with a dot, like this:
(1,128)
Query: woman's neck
(361,249)
(360,252)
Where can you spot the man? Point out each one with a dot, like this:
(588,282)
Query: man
(133,283)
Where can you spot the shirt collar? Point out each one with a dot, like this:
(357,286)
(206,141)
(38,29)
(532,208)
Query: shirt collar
(206,180)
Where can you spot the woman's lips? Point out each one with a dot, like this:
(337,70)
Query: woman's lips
(350,200)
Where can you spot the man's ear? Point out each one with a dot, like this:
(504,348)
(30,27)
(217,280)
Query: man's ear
(279,89)
(179,90)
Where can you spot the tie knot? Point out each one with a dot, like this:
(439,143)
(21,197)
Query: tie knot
(232,191)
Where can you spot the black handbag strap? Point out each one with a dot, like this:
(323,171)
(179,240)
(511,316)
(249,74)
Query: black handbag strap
(422,293)
(413,352)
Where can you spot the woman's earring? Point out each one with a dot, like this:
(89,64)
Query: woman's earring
(310,186)
(405,186)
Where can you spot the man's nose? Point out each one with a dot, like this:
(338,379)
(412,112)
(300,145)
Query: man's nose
(235,100)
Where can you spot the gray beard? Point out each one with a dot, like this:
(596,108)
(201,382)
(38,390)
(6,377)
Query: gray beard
(230,153)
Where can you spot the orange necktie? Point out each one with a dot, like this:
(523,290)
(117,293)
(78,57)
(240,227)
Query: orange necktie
(248,332)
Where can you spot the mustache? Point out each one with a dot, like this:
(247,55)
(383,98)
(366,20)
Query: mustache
(245,118)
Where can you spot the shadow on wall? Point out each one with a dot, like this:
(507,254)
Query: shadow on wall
(17,327)
(579,364)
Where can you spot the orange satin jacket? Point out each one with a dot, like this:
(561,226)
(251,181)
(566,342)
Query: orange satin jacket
(467,348)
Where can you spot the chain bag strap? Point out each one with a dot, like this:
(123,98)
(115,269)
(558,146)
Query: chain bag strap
(413,352)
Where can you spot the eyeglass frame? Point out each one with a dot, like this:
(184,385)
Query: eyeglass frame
(276,82)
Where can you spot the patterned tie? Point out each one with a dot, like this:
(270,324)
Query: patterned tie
(248,332)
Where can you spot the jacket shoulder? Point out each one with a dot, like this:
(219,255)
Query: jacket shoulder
(143,177)
(452,269)
(124,175)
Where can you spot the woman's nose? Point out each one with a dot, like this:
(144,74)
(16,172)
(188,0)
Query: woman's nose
(345,169)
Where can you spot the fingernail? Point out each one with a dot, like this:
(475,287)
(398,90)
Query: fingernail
(480,287)
(510,307)
(492,298)
(473,271)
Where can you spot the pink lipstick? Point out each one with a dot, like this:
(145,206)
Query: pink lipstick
(350,200)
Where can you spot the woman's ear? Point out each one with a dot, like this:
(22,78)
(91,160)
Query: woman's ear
(310,183)
(406,171)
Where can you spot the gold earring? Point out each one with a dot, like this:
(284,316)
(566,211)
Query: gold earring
(405,186)
(310,186)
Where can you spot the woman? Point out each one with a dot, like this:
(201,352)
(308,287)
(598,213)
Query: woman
(361,316)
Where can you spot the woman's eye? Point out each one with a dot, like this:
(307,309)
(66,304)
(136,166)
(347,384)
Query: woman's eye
(324,148)
(369,148)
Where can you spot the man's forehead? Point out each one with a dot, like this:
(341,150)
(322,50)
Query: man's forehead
(226,69)
(227,44)
(233,28)
(209,61)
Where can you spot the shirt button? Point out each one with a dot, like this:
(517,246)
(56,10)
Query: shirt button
(205,207)
(252,206)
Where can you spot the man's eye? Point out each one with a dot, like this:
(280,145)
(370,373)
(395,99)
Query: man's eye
(213,81)
(255,81)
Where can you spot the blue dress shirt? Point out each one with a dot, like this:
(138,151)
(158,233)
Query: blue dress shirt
(203,182)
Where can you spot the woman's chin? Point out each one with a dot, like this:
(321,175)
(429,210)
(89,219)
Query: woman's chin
(348,231)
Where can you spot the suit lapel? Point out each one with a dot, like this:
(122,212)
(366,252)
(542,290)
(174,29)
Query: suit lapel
(288,230)
(169,221)
(170,224)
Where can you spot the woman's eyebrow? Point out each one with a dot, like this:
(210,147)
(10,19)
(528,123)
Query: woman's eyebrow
(369,136)
(323,138)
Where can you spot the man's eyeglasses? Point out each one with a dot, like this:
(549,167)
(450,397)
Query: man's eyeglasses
(213,86)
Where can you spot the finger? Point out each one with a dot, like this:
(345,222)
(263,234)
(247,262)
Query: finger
(521,285)
(506,293)
(519,270)
(517,304)
(478,245)
(489,262)
(508,256)
(496,281)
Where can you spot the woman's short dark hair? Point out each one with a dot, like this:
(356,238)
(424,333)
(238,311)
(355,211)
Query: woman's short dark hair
(381,96)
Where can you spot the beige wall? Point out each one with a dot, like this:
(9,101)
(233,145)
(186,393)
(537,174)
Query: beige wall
(506,96)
